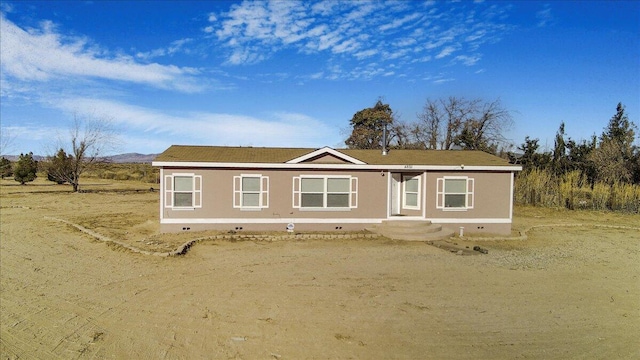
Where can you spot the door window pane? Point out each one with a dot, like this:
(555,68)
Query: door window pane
(411,199)
(411,185)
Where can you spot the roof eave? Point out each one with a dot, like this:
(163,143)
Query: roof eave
(193,164)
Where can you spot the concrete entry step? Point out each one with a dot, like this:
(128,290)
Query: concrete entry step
(411,230)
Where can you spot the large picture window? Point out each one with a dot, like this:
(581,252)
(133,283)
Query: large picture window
(251,191)
(325,192)
(455,193)
(183,191)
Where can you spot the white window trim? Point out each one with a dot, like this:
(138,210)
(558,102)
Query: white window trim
(297,192)
(196,199)
(404,192)
(263,199)
(469,195)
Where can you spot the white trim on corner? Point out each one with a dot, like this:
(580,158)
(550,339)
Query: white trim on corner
(356,166)
(162,194)
(511,197)
(325,150)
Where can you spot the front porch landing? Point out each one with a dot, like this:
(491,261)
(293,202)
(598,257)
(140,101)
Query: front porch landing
(411,230)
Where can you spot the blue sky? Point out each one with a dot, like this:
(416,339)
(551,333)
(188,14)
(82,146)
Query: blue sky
(292,74)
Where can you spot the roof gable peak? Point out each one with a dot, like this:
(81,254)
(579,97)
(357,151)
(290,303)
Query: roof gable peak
(323,152)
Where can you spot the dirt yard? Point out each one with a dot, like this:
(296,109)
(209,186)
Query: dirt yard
(565,292)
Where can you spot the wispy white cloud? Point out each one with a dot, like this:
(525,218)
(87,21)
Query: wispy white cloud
(356,31)
(43,55)
(272,129)
(446,52)
(468,60)
(173,48)
(544,16)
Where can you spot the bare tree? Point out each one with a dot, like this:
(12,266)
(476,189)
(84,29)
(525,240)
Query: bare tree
(469,124)
(442,120)
(90,138)
(484,130)
(6,140)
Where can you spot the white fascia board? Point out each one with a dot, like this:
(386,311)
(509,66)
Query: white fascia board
(325,150)
(404,168)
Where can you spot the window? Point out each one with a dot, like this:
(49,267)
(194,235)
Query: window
(411,194)
(455,193)
(183,191)
(251,191)
(325,192)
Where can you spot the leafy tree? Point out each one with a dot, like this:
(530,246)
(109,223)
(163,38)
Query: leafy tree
(531,158)
(579,157)
(60,168)
(367,125)
(25,169)
(6,169)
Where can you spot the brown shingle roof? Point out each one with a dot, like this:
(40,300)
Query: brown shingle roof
(223,154)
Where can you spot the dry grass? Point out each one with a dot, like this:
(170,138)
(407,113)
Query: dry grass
(541,188)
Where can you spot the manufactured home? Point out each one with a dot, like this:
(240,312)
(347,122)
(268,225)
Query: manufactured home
(302,189)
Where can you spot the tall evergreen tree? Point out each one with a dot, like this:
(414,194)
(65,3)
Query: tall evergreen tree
(615,156)
(620,130)
(25,169)
(6,170)
(560,161)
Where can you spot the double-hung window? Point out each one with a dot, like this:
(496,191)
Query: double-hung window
(183,191)
(455,193)
(411,194)
(251,192)
(325,192)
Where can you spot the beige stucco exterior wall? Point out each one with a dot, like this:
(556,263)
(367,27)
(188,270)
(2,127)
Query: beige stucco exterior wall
(491,213)
(217,201)
(492,202)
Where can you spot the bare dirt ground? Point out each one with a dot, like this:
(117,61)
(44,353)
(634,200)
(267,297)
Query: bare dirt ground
(565,292)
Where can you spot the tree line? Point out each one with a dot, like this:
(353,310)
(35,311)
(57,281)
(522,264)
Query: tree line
(600,173)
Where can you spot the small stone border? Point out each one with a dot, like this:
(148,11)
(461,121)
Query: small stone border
(182,249)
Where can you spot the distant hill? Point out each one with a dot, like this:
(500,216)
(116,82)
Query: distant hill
(133,158)
(120,158)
